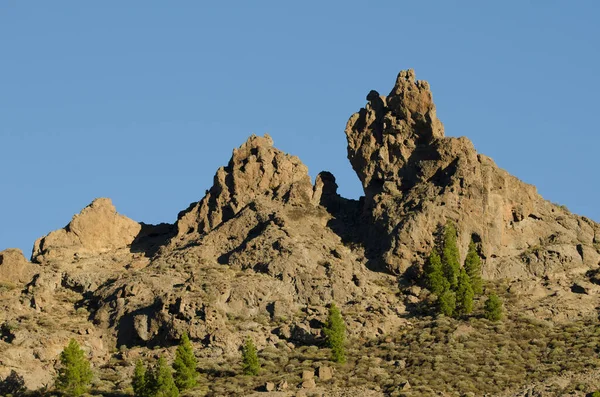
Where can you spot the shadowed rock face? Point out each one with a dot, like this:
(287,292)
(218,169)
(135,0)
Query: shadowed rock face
(415,179)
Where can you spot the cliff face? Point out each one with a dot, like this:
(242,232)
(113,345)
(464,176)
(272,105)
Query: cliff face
(265,251)
(415,179)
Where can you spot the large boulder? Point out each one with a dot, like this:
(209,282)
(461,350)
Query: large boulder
(14,268)
(98,228)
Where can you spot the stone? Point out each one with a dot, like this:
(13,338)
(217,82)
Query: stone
(14,268)
(309,384)
(98,228)
(282,386)
(308,374)
(325,373)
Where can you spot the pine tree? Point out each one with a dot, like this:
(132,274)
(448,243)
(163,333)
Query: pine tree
(436,282)
(493,308)
(185,365)
(473,268)
(447,303)
(450,255)
(140,387)
(250,365)
(162,383)
(464,293)
(335,331)
(74,375)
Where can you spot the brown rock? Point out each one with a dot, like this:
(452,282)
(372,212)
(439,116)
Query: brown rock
(308,374)
(14,268)
(269,386)
(256,169)
(415,180)
(309,384)
(325,373)
(96,229)
(282,386)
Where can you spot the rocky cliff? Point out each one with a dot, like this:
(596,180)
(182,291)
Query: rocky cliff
(265,251)
(415,179)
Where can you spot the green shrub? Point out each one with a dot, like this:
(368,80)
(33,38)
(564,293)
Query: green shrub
(434,275)
(250,364)
(450,255)
(161,382)
(335,331)
(464,294)
(447,303)
(140,388)
(493,308)
(74,375)
(185,365)
(473,268)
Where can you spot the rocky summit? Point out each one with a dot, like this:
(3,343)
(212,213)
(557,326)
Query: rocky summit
(265,253)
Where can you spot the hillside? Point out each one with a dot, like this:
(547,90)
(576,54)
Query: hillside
(266,251)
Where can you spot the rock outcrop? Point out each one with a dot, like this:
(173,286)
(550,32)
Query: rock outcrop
(415,180)
(257,246)
(98,228)
(255,170)
(14,268)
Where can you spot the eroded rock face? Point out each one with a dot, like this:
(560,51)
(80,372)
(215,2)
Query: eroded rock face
(256,169)
(260,249)
(96,229)
(415,179)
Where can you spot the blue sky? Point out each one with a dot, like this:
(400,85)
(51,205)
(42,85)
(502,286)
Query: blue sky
(141,101)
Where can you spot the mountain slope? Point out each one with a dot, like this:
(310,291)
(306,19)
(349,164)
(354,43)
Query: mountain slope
(265,251)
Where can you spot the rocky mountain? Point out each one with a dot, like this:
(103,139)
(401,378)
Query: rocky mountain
(265,252)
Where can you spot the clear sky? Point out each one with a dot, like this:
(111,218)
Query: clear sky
(141,101)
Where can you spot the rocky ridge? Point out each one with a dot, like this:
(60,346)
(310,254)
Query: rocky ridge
(265,251)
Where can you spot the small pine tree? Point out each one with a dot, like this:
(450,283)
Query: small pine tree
(436,282)
(493,308)
(250,365)
(162,383)
(450,255)
(185,365)
(335,331)
(140,388)
(473,268)
(74,375)
(447,303)
(464,293)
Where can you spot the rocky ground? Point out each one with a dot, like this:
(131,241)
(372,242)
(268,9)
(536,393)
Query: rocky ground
(266,251)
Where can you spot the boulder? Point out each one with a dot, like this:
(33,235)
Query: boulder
(97,229)
(14,268)
(325,373)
